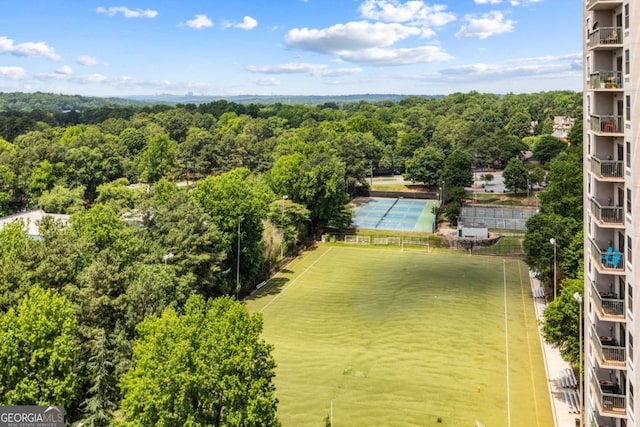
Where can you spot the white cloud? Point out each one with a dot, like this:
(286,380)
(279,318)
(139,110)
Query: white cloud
(550,58)
(415,12)
(248,23)
(321,70)
(128,13)
(87,60)
(13,73)
(303,68)
(270,81)
(487,1)
(349,36)
(62,74)
(411,13)
(487,25)
(290,68)
(401,56)
(336,72)
(366,42)
(28,49)
(65,70)
(94,78)
(200,22)
(523,2)
(496,72)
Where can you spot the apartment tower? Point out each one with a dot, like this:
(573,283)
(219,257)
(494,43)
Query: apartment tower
(611,198)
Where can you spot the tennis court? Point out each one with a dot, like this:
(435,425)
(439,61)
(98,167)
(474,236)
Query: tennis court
(394,214)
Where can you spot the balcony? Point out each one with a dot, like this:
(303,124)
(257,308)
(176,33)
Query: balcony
(609,261)
(609,306)
(606,125)
(609,356)
(609,404)
(609,170)
(605,38)
(605,80)
(612,216)
(603,4)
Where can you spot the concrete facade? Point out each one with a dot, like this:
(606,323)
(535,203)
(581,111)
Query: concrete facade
(611,50)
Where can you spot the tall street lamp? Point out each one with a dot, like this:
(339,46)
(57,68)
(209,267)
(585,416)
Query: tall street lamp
(553,242)
(285,197)
(238,262)
(578,298)
(402,232)
(167,257)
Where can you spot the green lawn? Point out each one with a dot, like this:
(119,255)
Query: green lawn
(395,338)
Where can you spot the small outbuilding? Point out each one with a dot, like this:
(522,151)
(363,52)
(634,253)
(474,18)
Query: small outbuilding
(474,230)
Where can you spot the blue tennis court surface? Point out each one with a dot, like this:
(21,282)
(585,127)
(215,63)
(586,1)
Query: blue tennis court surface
(393,214)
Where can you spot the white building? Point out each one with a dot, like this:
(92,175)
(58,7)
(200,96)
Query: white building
(31,220)
(612,176)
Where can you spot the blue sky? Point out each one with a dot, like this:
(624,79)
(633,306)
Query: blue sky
(289,47)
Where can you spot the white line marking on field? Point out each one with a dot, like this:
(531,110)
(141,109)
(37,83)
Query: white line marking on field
(294,280)
(506,339)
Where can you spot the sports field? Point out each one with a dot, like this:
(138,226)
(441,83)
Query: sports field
(391,338)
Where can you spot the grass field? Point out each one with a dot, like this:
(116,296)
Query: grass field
(391,338)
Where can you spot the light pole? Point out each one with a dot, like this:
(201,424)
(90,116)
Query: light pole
(238,262)
(442,195)
(167,257)
(553,242)
(285,197)
(578,298)
(402,232)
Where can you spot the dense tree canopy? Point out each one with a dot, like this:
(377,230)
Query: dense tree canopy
(515,175)
(201,369)
(38,351)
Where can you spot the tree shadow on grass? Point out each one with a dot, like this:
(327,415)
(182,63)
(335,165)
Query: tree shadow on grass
(274,286)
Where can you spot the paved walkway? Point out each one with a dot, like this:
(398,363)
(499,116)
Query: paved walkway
(556,368)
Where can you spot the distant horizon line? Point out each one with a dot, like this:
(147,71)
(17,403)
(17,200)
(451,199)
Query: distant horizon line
(192,95)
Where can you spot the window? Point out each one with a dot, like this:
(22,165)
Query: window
(629,297)
(627,65)
(588,105)
(628,106)
(631,393)
(630,347)
(629,249)
(628,156)
(626,16)
(628,200)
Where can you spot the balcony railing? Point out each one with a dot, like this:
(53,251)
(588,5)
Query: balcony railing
(607,259)
(609,356)
(607,168)
(607,214)
(609,403)
(605,80)
(608,303)
(606,124)
(605,36)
